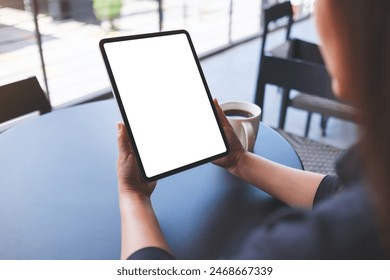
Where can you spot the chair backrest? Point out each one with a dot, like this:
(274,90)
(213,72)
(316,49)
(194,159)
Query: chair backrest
(274,13)
(303,76)
(22,97)
(305,51)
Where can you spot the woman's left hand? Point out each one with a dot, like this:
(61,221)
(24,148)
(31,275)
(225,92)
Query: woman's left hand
(130,180)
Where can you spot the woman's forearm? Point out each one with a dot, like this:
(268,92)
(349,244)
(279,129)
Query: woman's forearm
(140,227)
(292,186)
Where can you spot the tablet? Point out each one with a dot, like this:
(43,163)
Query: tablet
(165,102)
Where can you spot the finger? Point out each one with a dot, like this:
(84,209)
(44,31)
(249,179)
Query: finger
(221,114)
(123,140)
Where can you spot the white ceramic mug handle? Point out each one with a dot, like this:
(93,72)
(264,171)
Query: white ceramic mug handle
(249,132)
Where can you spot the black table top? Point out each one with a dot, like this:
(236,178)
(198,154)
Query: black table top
(58,192)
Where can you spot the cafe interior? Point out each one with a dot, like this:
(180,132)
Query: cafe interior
(58,116)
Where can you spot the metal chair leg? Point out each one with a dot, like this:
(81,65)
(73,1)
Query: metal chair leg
(308,121)
(283,108)
(324,122)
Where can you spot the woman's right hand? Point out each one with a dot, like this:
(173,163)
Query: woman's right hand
(237,151)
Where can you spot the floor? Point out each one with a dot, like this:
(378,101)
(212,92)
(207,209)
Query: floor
(232,76)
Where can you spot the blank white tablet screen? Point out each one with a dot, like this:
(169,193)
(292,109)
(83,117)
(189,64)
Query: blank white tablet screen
(165,101)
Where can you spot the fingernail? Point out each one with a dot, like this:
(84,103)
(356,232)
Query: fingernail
(119,127)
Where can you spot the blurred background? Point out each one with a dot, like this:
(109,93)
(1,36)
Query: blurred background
(57,40)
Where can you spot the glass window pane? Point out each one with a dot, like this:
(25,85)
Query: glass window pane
(71,30)
(19,55)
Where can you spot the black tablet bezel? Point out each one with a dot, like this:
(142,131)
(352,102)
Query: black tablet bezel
(123,112)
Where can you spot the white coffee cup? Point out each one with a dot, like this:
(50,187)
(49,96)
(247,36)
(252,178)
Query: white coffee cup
(244,117)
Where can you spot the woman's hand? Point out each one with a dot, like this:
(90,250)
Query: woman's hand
(130,180)
(237,151)
(139,225)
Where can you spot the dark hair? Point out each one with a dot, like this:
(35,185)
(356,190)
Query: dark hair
(367,25)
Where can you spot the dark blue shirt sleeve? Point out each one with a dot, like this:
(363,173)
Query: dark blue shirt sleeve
(338,228)
(151,253)
(329,187)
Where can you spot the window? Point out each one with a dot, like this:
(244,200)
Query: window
(71,29)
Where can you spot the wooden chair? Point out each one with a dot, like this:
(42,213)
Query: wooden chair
(307,77)
(21,98)
(292,74)
(272,14)
(300,50)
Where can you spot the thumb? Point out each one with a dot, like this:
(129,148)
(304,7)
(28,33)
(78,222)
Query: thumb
(221,114)
(123,140)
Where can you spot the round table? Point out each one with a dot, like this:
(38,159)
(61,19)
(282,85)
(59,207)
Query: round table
(58,192)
